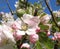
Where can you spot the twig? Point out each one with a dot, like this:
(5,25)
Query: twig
(9,6)
(55,46)
(51,13)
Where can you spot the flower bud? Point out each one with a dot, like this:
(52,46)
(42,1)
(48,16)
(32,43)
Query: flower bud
(34,38)
(57,35)
(17,36)
(48,33)
(38,30)
(20,12)
(25,45)
(53,38)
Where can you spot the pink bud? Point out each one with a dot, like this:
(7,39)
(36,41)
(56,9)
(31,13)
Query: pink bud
(34,38)
(17,36)
(48,33)
(58,36)
(38,30)
(25,45)
(53,38)
(14,26)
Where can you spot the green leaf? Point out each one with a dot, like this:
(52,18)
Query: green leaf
(43,27)
(45,41)
(54,28)
(42,14)
(58,19)
(38,46)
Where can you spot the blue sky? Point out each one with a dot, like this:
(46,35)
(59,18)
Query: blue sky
(4,8)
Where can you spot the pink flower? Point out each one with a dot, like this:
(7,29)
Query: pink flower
(25,45)
(45,19)
(3,38)
(15,25)
(57,35)
(31,20)
(34,38)
(17,35)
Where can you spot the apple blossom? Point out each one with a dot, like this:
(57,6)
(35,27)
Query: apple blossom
(34,38)
(28,24)
(8,34)
(31,20)
(3,39)
(45,19)
(25,45)
(23,31)
(15,25)
(7,17)
(17,35)
(57,35)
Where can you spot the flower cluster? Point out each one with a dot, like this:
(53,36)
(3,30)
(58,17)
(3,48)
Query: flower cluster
(16,30)
(25,31)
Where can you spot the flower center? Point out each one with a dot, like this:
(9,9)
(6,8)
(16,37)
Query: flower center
(24,27)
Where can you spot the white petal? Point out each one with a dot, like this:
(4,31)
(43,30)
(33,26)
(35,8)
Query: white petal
(30,31)
(0,27)
(9,36)
(20,32)
(26,17)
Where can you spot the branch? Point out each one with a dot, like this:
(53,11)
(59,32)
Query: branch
(51,13)
(35,12)
(55,46)
(9,7)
